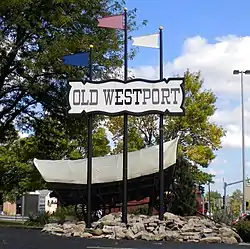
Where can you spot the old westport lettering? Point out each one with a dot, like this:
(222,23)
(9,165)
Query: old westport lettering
(140,96)
(80,98)
(136,97)
(126,96)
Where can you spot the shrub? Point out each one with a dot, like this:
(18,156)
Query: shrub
(61,215)
(39,219)
(221,216)
(139,210)
(63,212)
(243,229)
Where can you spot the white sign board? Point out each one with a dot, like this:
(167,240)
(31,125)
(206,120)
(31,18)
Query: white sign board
(135,97)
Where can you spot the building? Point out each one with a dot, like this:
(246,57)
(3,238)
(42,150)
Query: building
(32,202)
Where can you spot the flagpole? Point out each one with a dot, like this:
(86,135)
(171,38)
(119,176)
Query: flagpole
(90,152)
(125,126)
(161,142)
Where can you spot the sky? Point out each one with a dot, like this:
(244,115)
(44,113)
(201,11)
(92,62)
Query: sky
(212,37)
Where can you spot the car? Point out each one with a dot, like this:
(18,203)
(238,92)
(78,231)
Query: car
(244,217)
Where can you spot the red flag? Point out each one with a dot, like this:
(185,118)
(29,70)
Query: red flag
(113,22)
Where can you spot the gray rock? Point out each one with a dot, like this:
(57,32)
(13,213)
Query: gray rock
(130,234)
(229,240)
(138,227)
(79,227)
(189,234)
(228,232)
(97,231)
(118,232)
(150,229)
(212,240)
(86,235)
(187,228)
(207,230)
(162,230)
(107,230)
(172,235)
(172,228)
(147,236)
(68,225)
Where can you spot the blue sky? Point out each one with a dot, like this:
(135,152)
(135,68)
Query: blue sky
(202,22)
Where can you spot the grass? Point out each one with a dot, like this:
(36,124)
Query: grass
(17,224)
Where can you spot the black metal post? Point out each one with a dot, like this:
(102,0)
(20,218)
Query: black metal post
(125,128)
(161,142)
(90,152)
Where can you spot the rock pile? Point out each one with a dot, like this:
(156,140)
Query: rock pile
(172,228)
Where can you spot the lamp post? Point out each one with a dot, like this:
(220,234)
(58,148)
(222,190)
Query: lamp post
(236,72)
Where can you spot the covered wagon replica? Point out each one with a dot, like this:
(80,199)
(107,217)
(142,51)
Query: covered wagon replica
(68,179)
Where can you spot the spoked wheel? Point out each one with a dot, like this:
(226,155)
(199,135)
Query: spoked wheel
(81,211)
(169,199)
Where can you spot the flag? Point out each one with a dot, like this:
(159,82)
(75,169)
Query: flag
(78,59)
(113,22)
(150,41)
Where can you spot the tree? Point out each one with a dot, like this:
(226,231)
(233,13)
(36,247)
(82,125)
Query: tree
(215,200)
(199,137)
(185,189)
(34,35)
(17,174)
(51,140)
(235,202)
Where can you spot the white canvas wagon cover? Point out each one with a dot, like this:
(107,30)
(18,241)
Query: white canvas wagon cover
(108,168)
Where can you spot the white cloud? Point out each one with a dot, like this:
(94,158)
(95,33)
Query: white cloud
(216,61)
(218,161)
(215,172)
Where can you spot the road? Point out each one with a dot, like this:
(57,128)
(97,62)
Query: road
(13,218)
(21,238)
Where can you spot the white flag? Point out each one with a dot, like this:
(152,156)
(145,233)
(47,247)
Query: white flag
(150,41)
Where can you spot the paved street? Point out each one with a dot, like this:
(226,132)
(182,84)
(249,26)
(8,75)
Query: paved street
(20,238)
(12,218)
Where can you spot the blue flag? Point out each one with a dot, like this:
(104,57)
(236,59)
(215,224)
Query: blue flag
(78,59)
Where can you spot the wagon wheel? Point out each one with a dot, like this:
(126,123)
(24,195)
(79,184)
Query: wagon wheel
(80,211)
(168,201)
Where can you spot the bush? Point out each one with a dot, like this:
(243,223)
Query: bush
(39,219)
(221,216)
(64,212)
(61,215)
(243,229)
(139,210)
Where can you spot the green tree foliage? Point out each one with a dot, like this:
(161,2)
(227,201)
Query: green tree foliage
(199,137)
(34,35)
(56,139)
(215,200)
(185,189)
(52,140)
(235,202)
(17,174)
(142,132)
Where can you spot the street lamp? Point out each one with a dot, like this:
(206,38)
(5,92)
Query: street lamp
(236,72)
